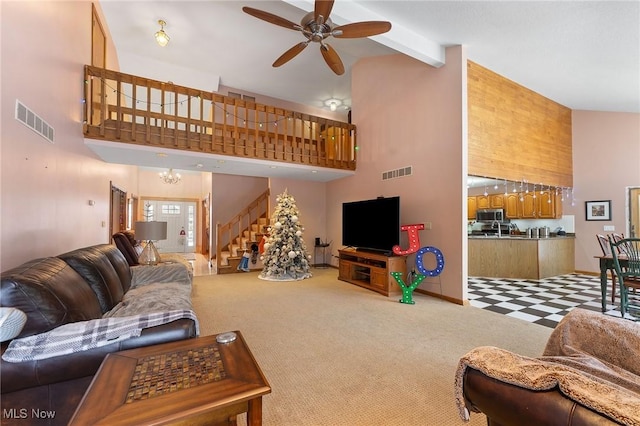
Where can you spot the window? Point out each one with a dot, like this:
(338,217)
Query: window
(170,209)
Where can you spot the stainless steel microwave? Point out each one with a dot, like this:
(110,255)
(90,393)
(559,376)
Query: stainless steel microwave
(490,215)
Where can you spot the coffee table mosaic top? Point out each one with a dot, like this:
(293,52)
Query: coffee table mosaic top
(188,380)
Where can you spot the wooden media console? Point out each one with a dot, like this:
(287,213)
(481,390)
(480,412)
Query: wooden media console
(371,270)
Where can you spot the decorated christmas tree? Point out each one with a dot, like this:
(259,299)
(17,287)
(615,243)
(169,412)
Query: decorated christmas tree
(285,255)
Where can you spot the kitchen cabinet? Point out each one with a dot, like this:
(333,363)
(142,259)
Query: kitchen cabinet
(550,205)
(482,202)
(544,206)
(512,206)
(496,201)
(472,206)
(529,206)
(547,205)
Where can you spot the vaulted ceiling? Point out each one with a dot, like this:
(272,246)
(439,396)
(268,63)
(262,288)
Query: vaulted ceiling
(582,54)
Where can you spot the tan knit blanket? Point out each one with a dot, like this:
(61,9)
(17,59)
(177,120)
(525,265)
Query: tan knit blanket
(592,358)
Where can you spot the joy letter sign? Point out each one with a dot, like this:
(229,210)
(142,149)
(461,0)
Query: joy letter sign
(414,247)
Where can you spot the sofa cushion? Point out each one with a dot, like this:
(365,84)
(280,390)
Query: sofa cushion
(119,263)
(50,292)
(96,269)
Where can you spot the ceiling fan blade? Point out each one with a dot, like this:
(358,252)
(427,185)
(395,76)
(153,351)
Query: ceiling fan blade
(361,29)
(322,8)
(290,54)
(332,59)
(271,18)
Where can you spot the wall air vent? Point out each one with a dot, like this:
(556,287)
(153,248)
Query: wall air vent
(398,173)
(33,121)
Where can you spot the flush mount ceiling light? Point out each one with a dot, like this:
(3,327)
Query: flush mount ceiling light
(170,177)
(333,104)
(161,37)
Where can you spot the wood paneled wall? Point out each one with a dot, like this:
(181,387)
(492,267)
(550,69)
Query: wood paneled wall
(515,133)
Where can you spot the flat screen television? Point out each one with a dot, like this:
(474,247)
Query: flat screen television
(371,224)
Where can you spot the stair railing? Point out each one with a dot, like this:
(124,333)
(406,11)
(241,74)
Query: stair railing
(234,230)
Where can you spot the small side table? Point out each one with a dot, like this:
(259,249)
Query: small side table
(323,247)
(197,381)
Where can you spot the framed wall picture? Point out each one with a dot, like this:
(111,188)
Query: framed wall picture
(598,210)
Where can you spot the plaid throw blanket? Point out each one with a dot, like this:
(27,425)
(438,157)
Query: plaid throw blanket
(84,335)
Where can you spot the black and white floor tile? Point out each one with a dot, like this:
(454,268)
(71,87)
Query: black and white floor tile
(543,302)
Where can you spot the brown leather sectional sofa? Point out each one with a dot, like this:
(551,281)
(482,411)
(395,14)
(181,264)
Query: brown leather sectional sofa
(77,286)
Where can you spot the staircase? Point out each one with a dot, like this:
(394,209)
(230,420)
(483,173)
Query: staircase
(243,230)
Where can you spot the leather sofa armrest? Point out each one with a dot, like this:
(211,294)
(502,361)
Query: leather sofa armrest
(505,404)
(16,376)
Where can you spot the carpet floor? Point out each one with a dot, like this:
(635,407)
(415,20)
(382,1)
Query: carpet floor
(337,354)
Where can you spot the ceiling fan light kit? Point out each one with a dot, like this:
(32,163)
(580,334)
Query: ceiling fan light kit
(161,37)
(333,104)
(316,26)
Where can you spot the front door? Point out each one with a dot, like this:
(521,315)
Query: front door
(181,224)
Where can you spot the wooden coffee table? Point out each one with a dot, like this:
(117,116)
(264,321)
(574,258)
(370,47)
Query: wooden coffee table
(197,381)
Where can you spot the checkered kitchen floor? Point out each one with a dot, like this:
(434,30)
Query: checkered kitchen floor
(543,302)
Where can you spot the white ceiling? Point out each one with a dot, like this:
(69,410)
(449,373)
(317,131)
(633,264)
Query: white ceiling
(582,54)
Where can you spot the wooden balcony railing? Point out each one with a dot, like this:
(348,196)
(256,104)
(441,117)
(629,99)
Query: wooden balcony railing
(125,108)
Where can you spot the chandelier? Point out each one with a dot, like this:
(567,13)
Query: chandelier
(170,177)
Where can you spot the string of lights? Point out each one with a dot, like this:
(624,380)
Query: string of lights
(522,187)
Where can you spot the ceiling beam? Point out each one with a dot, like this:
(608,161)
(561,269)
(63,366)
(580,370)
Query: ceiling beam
(399,38)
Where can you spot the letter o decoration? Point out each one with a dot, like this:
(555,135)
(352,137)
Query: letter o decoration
(439,261)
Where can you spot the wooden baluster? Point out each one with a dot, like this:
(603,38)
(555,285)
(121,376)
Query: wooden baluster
(188,124)
(118,108)
(103,102)
(201,122)
(175,117)
(134,106)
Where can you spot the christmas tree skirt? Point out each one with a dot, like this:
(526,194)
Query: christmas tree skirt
(285,277)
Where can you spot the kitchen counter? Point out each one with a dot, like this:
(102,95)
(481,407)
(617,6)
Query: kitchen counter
(516,256)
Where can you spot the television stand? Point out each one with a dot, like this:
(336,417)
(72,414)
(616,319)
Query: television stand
(371,270)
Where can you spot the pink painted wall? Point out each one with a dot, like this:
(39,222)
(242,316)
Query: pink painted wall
(411,114)
(606,160)
(46,187)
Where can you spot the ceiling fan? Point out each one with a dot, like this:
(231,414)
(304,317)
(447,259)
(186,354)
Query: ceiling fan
(316,26)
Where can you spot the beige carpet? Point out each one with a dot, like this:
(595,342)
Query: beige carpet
(337,354)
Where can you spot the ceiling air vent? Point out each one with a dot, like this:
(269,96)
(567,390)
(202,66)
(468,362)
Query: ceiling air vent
(34,121)
(398,173)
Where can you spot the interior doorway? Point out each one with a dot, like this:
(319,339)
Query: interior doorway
(182,223)
(633,211)
(118,210)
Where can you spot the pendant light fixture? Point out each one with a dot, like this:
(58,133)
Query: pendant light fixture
(161,37)
(170,177)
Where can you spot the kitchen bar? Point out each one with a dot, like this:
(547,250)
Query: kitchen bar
(516,256)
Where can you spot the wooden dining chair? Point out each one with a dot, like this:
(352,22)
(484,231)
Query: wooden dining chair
(616,238)
(626,260)
(605,245)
